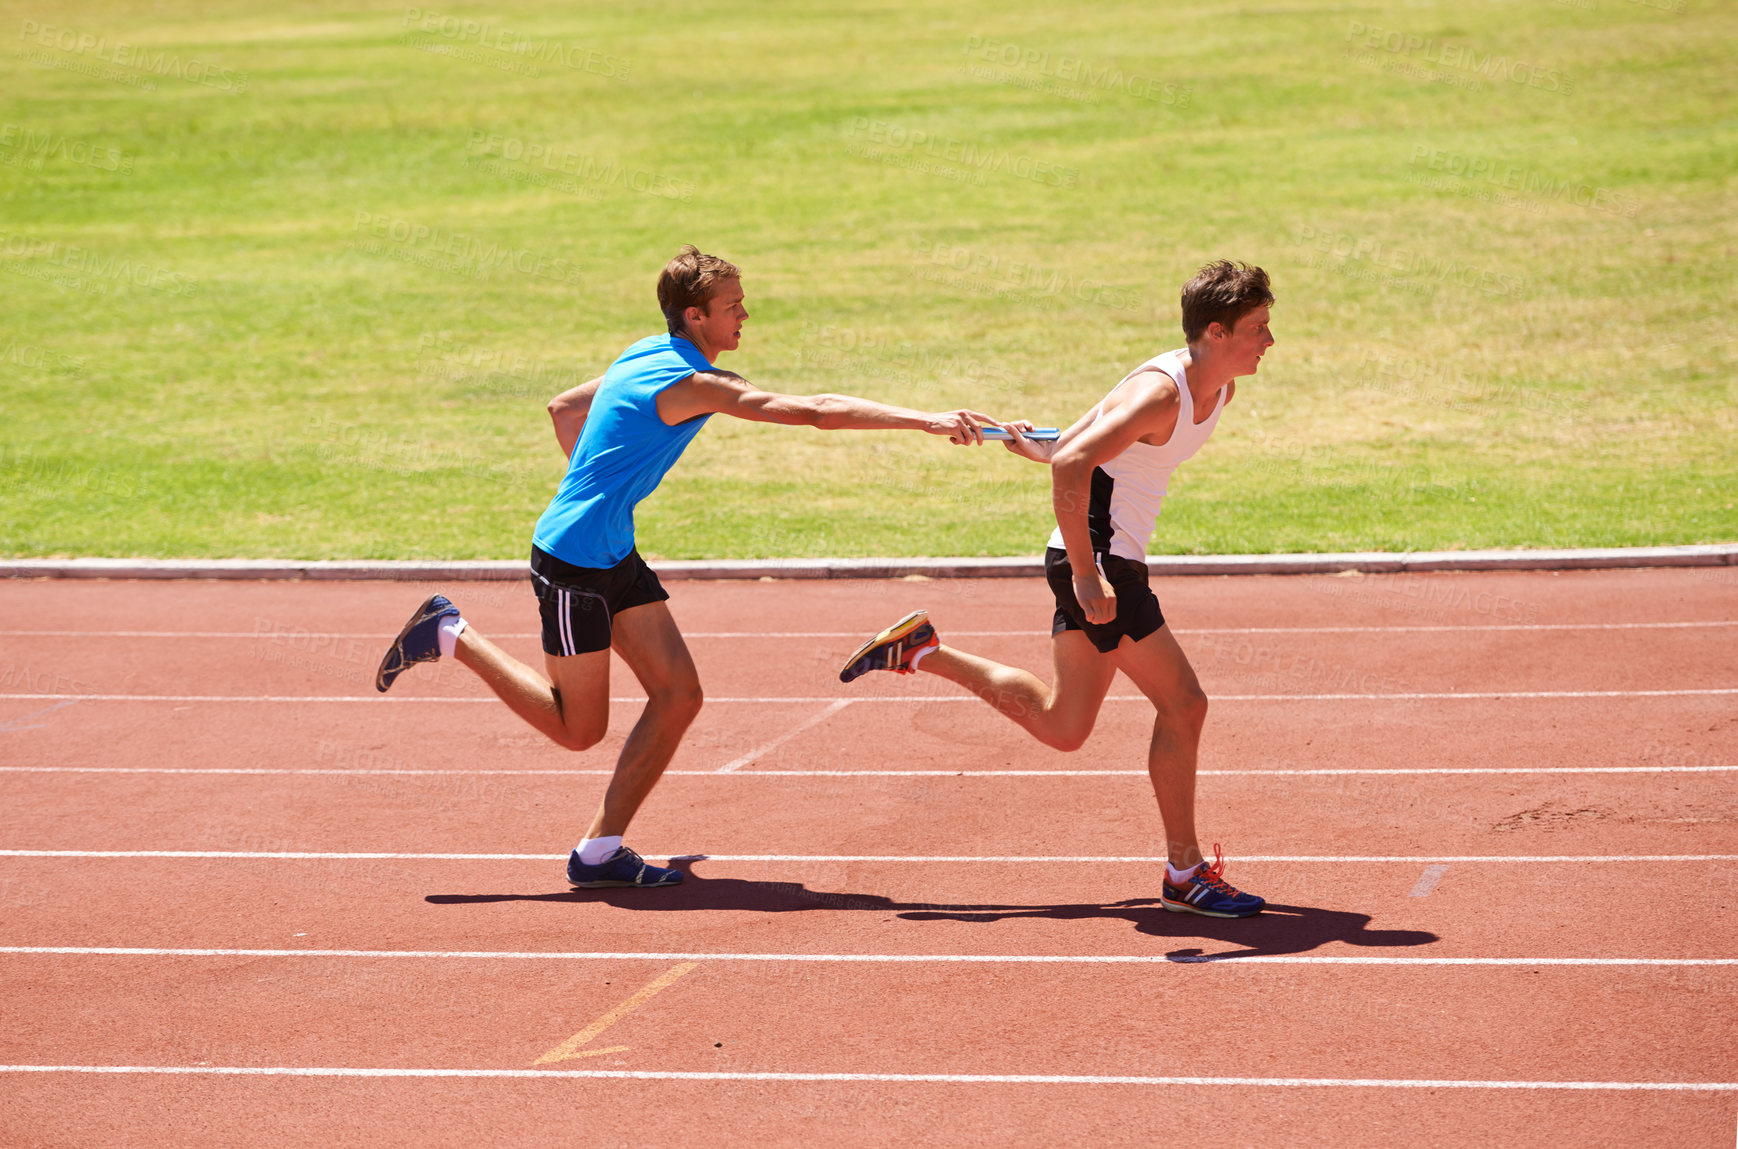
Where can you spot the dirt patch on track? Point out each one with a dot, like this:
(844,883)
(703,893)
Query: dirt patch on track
(1551,816)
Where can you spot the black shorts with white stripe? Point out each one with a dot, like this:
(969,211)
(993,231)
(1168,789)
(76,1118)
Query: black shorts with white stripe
(1137,607)
(578,603)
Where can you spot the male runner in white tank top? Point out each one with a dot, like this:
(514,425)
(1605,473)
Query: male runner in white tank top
(1109,473)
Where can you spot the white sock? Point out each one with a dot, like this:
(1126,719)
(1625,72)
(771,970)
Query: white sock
(594,850)
(450,629)
(920,655)
(1178,877)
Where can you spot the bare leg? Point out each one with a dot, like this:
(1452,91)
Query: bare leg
(1158,666)
(648,641)
(571,707)
(1060,716)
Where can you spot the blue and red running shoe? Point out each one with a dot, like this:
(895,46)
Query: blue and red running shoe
(419,641)
(893,648)
(1208,893)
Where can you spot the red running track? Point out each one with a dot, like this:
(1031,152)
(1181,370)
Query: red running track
(1496,817)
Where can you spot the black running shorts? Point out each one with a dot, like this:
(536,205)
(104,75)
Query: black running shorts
(1137,607)
(577,603)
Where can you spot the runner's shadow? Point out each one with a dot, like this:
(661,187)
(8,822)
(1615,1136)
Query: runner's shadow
(698,893)
(1277,930)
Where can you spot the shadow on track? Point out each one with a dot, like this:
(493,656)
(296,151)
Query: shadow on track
(1277,930)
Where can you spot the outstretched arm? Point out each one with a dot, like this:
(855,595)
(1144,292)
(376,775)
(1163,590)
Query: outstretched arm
(726,393)
(568,411)
(1150,409)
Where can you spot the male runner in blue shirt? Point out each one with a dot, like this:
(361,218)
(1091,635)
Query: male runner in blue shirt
(622,432)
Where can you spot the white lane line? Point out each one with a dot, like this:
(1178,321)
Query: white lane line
(1333,771)
(891,1078)
(965,859)
(915,699)
(300,635)
(548,955)
(871,959)
(1427,882)
(808,723)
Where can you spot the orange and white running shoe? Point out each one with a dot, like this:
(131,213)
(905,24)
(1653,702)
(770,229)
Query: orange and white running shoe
(893,648)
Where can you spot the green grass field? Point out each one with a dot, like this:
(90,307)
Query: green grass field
(299,284)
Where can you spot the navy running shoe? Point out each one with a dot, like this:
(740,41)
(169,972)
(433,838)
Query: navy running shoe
(1208,893)
(419,641)
(892,648)
(622,868)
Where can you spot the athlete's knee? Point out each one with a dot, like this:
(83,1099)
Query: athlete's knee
(577,740)
(1187,709)
(1068,741)
(1195,707)
(1066,736)
(583,733)
(680,700)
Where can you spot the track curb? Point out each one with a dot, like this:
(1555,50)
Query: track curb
(1369,562)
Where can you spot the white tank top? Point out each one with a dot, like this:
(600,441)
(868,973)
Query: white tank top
(1127,491)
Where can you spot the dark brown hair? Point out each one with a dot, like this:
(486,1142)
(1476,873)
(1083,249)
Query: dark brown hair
(1222,292)
(689,281)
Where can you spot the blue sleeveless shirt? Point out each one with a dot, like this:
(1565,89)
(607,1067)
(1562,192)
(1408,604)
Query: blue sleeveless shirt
(622,455)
